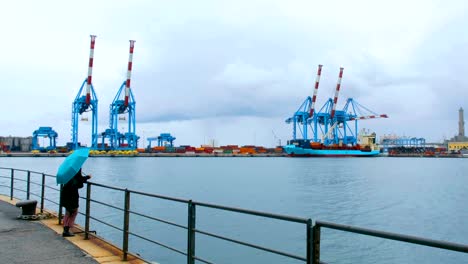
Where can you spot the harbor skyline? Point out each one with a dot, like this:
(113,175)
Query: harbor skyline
(234,72)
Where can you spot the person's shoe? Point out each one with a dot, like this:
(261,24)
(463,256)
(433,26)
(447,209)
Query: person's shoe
(67,232)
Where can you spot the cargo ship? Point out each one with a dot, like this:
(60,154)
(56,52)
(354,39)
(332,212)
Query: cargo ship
(306,148)
(334,132)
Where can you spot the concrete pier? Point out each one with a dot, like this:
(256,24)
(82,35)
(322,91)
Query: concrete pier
(41,241)
(23,241)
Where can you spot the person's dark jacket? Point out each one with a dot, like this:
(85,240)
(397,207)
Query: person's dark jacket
(69,198)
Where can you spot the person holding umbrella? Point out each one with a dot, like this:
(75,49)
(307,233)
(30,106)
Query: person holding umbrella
(69,198)
(69,174)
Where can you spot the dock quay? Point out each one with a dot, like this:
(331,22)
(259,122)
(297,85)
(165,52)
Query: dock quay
(41,241)
(207,155)
(203,155)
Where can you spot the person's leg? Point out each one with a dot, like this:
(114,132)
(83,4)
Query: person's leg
(66,218)
(71,221)
(68,221)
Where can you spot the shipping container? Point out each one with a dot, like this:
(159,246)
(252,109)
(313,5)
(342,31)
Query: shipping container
(247,150)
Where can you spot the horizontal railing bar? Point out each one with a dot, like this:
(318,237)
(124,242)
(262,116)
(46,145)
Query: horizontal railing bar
(52,188)
(19,190)
(251,245)
(51,201)
(8,186)
(13,169)
(83,214)
(107,186)
(159,220)
(160,196)
(35,183)
(18,179)
(33,194)
(202,260)
(233,209)
(158,243)
(252,212)
(6,177)
(395,236)
(101,203)
(105,223)
(40,174)
(35,172)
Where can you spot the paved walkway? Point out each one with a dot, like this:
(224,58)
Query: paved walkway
(23,241)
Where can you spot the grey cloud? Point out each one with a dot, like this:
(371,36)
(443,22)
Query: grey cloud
(201,61)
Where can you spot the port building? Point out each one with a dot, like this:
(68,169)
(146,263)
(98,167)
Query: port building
(460,141)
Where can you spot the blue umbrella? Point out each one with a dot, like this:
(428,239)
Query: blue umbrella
(71,165)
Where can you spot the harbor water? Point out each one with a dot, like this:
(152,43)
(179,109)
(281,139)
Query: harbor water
(424,197)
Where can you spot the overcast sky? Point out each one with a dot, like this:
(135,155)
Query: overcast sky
(235,70)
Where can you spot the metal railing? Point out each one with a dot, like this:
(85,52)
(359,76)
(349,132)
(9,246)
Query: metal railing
(313,231)
(191,228)
(43,186)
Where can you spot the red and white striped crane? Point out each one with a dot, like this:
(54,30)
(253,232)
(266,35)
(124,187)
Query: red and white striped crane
(337,91)
(369,117)
(129,72)
(314,98)
(90,69)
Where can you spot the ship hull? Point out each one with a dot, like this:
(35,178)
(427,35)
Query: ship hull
(295,151)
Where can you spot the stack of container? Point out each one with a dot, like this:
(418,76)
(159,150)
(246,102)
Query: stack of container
(279,149)
(208,150)
(190,150)
(248,149)
(170,149)
(180,149)
(158,149)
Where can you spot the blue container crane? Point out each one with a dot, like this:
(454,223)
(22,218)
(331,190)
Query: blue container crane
(122,108)
(305,111)
(339,130)
(118,140)
(299,119)
(164,139)
(45,132)
(86,102)
(333,124)
(330,126)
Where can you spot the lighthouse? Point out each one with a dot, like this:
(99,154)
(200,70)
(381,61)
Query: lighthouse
(461,124)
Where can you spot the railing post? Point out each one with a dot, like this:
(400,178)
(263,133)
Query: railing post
(126,224)
(88,209)
(316,244)
(60,206)
(42,192)
(28,185)
(191,233)
(310,241)
(12,183)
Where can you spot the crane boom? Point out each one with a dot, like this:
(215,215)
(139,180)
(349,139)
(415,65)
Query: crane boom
(337,91)
(90,70)
(314,98)
(129,72)
(369,117)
